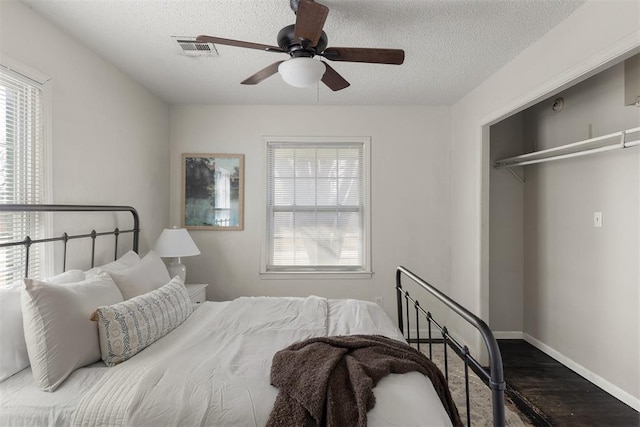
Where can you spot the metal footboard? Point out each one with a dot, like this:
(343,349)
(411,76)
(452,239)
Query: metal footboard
(27,242)
(492,376)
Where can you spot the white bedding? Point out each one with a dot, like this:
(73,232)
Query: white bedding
(214,370)
(22,403)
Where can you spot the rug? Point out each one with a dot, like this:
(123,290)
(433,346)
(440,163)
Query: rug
(480,394)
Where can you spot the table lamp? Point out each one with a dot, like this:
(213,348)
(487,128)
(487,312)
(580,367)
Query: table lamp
(175,243)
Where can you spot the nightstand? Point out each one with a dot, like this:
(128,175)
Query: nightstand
(197,293)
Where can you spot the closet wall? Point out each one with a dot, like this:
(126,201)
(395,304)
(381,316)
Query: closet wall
(506,239)
(580,284)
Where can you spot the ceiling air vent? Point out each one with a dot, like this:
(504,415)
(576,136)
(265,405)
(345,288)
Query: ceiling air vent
(189,46)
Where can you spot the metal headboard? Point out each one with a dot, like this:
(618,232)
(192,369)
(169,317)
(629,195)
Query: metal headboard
(493,377)
(64,238)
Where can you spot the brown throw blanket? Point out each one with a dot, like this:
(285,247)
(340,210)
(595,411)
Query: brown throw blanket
(330,380)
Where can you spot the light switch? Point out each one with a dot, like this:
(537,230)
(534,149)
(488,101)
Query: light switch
(597,219)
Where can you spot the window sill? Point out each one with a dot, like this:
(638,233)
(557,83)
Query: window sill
(314,275)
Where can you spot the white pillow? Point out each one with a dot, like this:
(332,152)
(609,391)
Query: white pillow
(129,327)
(147,275)
(125,261)
(70,276)
(13,348)
(59,333)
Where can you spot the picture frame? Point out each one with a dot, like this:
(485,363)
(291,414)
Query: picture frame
(212,191)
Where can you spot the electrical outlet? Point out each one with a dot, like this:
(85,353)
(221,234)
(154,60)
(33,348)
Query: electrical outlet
(597,219)
(378,300)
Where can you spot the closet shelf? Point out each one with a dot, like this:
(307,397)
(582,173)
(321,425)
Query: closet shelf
(613,141)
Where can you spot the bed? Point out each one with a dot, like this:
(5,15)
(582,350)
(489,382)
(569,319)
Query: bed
(212,364)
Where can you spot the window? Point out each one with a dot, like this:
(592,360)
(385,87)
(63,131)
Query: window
(21,171)
(317,206)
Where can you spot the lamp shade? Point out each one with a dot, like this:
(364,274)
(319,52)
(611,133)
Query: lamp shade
(175,243)
(301,71)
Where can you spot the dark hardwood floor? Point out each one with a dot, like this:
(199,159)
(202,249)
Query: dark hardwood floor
(551,394)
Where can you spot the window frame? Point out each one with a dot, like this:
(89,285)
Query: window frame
(320,272)
(32,76)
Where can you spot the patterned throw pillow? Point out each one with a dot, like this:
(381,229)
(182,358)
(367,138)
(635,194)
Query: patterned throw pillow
(128,327)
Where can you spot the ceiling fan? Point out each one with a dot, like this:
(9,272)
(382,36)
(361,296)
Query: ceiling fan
(304,40)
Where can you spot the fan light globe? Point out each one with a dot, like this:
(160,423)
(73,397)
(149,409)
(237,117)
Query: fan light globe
(301,71)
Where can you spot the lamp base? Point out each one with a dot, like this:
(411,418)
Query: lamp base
(176,268)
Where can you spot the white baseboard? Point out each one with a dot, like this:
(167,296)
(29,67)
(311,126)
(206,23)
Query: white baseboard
(508,335)
(610,388)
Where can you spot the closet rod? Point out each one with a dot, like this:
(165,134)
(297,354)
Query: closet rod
(578,149)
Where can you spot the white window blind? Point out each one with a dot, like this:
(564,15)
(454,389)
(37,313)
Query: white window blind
(316,207)
(21,171)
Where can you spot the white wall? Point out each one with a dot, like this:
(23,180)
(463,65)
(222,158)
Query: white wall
(110,136)
(593,36)
(410,181)
(575,274)
(506,238)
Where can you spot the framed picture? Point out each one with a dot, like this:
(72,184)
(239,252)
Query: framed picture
(213,191)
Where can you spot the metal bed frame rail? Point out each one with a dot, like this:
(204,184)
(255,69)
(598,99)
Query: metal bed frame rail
(493,376)
(64,238)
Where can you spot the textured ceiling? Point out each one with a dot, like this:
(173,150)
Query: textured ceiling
(451,46)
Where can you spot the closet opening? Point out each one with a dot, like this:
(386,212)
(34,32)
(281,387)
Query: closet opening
(564,232)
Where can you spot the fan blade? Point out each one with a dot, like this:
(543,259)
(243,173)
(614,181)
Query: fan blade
(238,43)
(361,54)
(262,74)
(310,19)
(333,80)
